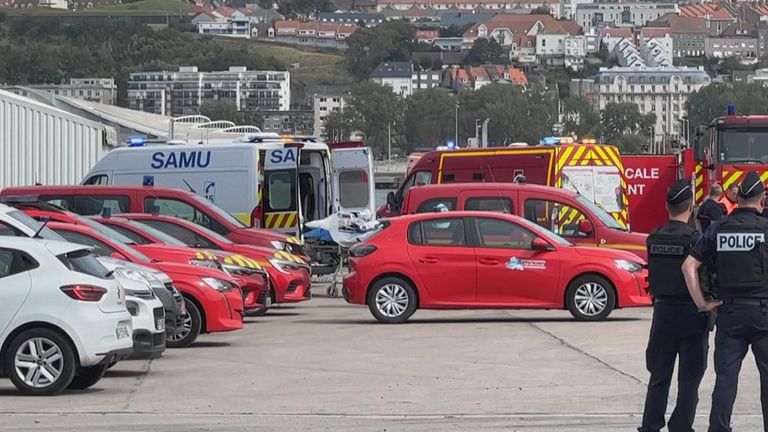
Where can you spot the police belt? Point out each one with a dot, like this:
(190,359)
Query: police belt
(747,301)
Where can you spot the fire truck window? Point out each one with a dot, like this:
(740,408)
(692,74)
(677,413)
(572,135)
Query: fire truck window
(353,189)
(447,178)
(420,178)
(557,217)
(94,205)
(99,248)
(478,176)
(433,205)
(67,203)
(493,204)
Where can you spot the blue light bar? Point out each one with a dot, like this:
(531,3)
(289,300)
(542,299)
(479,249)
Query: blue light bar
(137,141)
(731,109)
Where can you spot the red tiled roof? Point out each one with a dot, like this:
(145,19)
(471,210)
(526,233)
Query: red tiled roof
(618,32)
(761,9)
(522,24)
(200,9)
(286,24)
(427,34)
(706,10)
(479,73)
(680,24)
(225,11)
(656,32)
(517,76)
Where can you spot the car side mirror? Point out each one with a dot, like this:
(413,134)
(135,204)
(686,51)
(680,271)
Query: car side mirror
(585,226)
(539,244)
(392,201)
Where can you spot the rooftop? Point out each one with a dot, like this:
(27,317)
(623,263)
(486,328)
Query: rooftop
(393,70)
(706,10)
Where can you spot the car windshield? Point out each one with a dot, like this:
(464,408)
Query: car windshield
(29,222)
(549,235)
(742,145)
(105,231)
(601,214)
(219,211)
(156,233)
(210,233)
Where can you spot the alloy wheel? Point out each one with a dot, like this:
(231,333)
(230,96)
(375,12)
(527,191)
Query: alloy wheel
(186,328)
(392,300)
(591,299)
(39,362)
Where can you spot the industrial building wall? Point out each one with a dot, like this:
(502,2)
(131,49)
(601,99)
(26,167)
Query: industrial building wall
(42,144)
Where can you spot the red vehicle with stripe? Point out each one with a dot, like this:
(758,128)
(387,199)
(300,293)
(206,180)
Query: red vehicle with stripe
(594,171)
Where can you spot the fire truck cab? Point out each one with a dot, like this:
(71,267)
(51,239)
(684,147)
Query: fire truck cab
(594,171)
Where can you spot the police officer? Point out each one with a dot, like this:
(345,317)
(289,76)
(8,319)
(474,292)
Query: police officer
(678,329)
(737,246)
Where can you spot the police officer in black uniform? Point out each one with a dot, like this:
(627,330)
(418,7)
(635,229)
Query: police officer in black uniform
(737,246)
(678,329)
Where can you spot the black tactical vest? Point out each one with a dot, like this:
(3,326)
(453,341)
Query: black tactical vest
(666,253)
(742,254)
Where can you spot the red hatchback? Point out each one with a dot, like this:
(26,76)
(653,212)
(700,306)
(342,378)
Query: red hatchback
(466,260)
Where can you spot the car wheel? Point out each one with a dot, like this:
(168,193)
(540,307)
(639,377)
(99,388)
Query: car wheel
(88,376)
(392,300)
(40,362)
(190,328)
(590,298)
(258,312)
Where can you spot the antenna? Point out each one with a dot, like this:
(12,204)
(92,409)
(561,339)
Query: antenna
(42,227)
(191,189)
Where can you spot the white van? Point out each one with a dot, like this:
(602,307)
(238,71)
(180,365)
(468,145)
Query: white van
(265,180)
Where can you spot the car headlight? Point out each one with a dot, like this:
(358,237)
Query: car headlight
(135,276)
(233,269)
(284,266)
(629,266)
(218,284)
(205,263)
(277,244)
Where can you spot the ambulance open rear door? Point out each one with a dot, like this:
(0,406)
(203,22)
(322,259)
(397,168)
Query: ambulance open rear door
(353,185)
(281,203)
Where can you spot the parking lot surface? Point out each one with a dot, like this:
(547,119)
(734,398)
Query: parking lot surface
(327,366)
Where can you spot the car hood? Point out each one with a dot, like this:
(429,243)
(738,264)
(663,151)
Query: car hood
(606,253)
(193,270)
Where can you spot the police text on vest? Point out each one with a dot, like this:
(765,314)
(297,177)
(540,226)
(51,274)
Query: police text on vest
(738,242)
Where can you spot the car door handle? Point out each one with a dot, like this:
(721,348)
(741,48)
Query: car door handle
(428,260)
(488,261)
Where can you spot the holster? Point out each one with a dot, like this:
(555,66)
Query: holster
(711,315)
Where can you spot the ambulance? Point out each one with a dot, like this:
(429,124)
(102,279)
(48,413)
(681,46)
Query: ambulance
(265,180)
(594,171)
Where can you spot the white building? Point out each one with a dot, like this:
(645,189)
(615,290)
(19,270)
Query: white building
(102,90)
(657,46)
(323,105)
(627,54)
(397,75)
(238,27)
(184,91)
(662,91)
(621,14)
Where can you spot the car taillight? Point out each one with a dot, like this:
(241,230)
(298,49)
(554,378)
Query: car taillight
(256,215)
(362,250)
(87,293)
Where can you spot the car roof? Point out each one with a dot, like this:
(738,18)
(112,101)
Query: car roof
(33,190)
(457,214)
(32,245)
(454,188)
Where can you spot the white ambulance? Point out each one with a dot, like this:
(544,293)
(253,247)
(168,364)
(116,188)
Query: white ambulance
(265,180)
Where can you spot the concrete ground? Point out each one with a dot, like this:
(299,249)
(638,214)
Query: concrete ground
(328,366)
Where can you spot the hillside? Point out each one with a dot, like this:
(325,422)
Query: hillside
(139,8)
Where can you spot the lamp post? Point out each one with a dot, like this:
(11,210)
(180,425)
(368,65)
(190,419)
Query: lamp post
(456,126)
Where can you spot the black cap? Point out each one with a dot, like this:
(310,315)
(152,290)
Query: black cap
(679,192)
(751,186)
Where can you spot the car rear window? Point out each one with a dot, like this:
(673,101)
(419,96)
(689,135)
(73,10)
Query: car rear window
(82,261)
(431,205)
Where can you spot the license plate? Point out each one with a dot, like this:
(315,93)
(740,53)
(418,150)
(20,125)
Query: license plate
(160,324)
(122,332)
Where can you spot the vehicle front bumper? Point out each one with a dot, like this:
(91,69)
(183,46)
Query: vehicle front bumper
(225,313)
(148,345)
(115,356)
(293,287)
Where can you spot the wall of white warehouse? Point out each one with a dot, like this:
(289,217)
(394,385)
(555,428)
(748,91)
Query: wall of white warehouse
(43,144)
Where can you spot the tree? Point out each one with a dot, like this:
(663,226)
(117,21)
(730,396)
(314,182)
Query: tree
(425,63)
(580,119)
(429,118)
(455,30)
(389,41)
(632,143)
(486,51)
(339,126)
(624,118)
(541,10)
(376,110)
(712,101)
(227,110)
(437,64)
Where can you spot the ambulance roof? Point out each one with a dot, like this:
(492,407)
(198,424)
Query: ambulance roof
(226,144)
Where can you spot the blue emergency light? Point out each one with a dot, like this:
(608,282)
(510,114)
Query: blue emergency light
(137,141)
(450,144)
(106,212)
(731,109)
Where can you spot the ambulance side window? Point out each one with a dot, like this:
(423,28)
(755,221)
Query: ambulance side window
(281,188)
(555,216)
(99,179)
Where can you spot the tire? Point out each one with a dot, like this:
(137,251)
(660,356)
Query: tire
(392,300)
(88,376)
(258,312)
(590,298)
(40,384)
(190,329)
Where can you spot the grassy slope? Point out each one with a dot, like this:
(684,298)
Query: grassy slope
(141,7)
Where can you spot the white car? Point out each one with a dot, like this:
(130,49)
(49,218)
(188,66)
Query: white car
(147,315)
(63,320)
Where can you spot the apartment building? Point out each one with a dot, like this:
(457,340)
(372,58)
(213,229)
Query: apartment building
(403,79)
(325,104)
(102,90)
(662,91)
(621,13)
(183,92)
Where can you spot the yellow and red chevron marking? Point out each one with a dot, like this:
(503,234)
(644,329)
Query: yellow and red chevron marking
(595,155)
(698,184)
(280,220)
(242,261)
(287,256)
(205,255)
(735,176)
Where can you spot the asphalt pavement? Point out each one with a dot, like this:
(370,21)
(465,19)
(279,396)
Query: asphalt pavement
(324,365)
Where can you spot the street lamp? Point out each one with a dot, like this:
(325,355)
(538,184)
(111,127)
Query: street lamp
(456,125)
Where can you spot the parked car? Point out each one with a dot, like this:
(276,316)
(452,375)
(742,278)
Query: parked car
(63,319)
(89,200)
(288,273)
(147,316)
(571,215)
(460,260)
(213,299)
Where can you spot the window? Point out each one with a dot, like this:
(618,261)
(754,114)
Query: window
(555,216)
(99,248)
(353,189)
(414,233)
(9,231)
(494,204)
(447,178)
(13,262)
(430,205)
(135,237)
(494,233)
(176,208)
(94,205)
(186,235)
(443,232)
(99,179)
(281,190)
(83,261)
(416,179)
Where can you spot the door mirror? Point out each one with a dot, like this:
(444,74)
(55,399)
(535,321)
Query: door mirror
(392,201)
(699,145)
(539,244)
(585,226)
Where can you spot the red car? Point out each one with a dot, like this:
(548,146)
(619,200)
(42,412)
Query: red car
(250,276)
(461,260)
(89,200)
(213,299)
(288,273)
